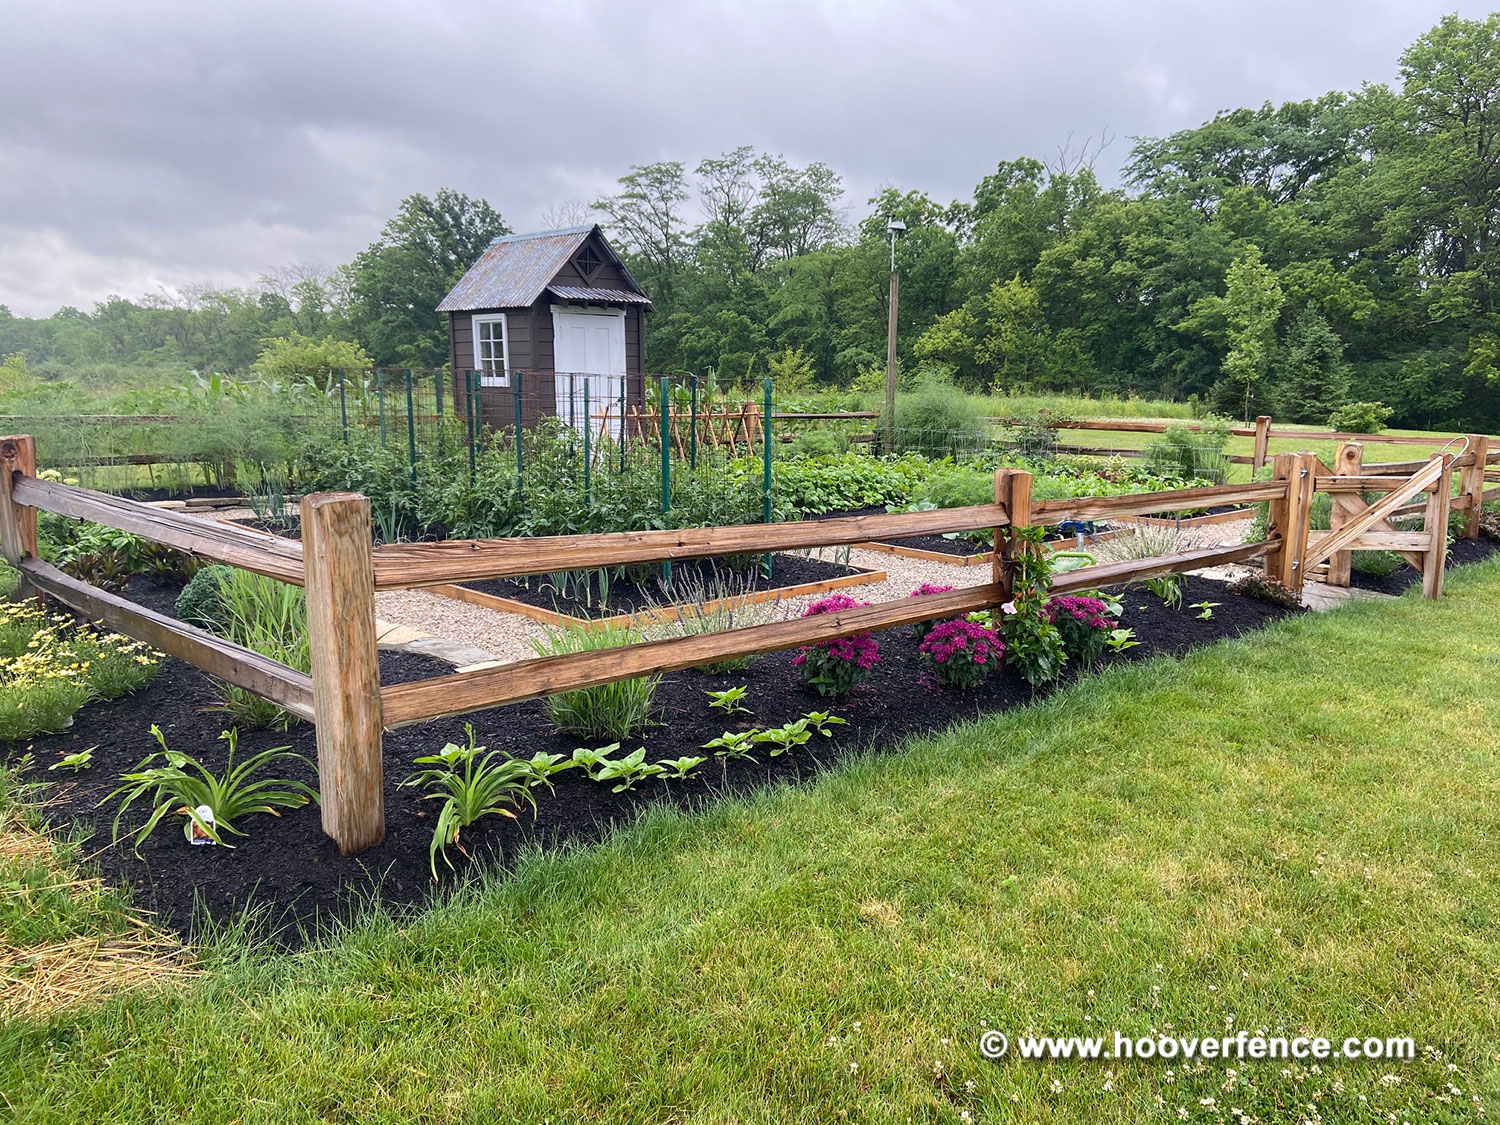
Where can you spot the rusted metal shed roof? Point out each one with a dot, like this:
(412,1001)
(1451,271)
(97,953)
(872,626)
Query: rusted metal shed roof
(516,268)
(617,296)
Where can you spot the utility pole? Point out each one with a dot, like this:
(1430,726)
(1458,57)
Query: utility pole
(895,227)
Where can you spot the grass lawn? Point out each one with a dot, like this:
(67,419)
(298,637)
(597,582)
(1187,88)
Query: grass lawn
(1293,832)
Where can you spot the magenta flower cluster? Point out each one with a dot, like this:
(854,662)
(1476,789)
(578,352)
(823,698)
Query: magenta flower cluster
(1086,611)
(836,666)
(928,588)
(962,652)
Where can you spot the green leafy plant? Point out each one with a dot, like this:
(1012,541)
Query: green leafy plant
(1360,418)
(614,710)
(835,667)
(592,761)
(200,602)
(822,721)
(678,768)
(733,744)
(471,781)
(269,617)
(729,700)
(182,784)
(78,760)
(1205,609)
(786,737)
(1167,587)
(627,771)
(1120,639)
(544,765)
(1033,644)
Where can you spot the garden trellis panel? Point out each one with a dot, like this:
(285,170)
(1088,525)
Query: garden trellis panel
(341,571)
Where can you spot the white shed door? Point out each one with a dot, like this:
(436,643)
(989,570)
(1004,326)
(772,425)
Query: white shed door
(589,345)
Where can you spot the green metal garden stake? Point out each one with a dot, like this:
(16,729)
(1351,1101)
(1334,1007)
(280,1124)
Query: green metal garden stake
(622,424)
(343,408)
(588,432)
(380,399)
(693,433)
(765,485)
(520,453)
(664,427)
(469,418)
(411,429)
(437,392)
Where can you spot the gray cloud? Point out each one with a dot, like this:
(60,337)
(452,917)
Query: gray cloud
(155,144)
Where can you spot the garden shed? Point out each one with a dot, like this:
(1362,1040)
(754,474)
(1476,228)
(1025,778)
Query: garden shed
(539,313)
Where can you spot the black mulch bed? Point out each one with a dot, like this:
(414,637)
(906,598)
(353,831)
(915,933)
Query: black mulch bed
(642,588)
(295,874)
(1460,551)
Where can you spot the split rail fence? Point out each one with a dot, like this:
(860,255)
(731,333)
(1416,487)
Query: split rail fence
(341,569)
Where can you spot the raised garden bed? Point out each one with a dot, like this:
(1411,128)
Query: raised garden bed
(293,875)
(643,597)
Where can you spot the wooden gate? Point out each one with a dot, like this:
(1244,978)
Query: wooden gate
(1358,523)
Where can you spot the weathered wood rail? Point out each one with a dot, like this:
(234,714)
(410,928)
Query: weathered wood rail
(341,572)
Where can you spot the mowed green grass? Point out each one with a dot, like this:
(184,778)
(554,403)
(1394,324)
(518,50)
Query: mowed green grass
(1296,831)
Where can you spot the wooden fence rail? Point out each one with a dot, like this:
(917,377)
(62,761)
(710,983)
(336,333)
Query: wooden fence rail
(342,571)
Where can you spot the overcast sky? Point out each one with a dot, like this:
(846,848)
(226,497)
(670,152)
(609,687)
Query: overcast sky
(149,145)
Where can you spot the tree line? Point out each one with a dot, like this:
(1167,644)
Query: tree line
(1283,259)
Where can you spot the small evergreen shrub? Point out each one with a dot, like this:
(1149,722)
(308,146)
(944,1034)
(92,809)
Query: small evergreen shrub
(961,652)
(1083,623)
(201,602)
(836,667)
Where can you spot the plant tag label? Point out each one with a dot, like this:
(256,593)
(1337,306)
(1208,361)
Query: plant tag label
(198,836)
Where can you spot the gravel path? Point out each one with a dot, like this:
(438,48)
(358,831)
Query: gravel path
(507,636)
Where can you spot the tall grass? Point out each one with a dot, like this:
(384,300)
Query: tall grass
(271,618)
(711,605)
(607,711)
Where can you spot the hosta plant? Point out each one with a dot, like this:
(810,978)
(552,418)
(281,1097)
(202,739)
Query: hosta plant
(678,768)
(626,771)
(471,781)
(181,784)
(730,700)
(836,666)
(1119,640)
(822,721)
(962,653)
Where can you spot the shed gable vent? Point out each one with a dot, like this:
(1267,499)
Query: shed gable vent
(588,263)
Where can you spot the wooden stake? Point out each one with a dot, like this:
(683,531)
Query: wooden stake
(1013,493)
(1471,483)
(1262,441)
(1435,523)
(18,521)
(1299,515)
(345,666)
(1348,462)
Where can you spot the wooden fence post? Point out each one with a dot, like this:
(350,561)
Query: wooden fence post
(336,542)
(1013,493)
(1262,441)
(1349,462)
(1435,522)
(18,521)
(1471,483)
(1288,518)
(1276,514)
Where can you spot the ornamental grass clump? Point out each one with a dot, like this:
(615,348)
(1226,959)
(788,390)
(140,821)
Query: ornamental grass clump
(836,666)
(922,628)
(1084,624)
(961,652)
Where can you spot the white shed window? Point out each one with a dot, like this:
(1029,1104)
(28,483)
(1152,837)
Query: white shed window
(491,351)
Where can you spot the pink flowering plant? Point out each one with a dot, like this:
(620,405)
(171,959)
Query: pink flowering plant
(922,628)
(1084,624)
(835,667)
(961,652)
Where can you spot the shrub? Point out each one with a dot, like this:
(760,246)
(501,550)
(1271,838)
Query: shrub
(938,420)
(612,711)
(835,667)
(812,486)
(200,602)
(1083,623)
(1360,418)
(1189,454)
(962,653)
